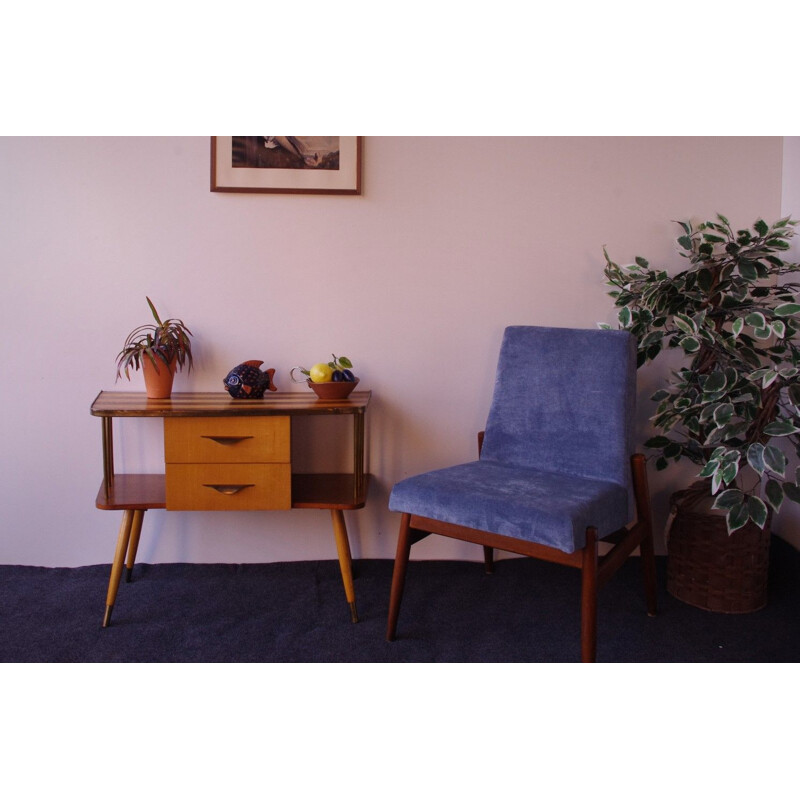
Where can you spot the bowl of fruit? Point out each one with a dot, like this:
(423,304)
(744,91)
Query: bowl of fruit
(333,380)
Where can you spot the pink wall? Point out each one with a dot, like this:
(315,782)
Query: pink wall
(452,240)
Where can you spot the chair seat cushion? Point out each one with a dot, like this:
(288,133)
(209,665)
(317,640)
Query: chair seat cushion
(520,502)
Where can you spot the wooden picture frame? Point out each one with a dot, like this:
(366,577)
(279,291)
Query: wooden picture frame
(286,164)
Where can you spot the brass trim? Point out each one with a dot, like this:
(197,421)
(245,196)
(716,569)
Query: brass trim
(227,440)
(228,489)
(108,452)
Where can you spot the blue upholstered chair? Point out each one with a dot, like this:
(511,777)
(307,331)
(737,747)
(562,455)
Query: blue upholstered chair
(556,473)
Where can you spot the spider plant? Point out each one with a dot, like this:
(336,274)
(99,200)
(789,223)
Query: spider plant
(162,343)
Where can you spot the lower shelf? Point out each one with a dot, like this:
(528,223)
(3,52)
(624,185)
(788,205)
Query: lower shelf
(133,491)
(328,490)
(324,490)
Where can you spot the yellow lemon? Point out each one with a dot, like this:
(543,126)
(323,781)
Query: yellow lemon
(320,373)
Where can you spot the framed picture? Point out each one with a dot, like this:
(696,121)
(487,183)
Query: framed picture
(287,164)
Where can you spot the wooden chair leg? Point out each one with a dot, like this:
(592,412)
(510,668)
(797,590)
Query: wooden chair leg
(133,544)
(116,566)
(589,598)
(399,575)
(488,559)
(345,560)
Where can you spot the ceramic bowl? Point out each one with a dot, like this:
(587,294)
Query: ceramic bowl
(333,390)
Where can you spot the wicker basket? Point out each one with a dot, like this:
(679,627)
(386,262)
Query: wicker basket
(712,570)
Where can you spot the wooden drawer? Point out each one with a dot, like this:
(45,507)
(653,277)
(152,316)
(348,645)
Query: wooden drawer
(217,440)
(228,487)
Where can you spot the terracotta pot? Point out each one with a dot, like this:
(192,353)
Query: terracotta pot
(158,384)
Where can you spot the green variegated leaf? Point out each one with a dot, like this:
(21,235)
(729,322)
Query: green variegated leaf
(761,227)
(756,320)
(709,469)
(690,344)
(673,450)
(769,378)
(685,324)
(757,374)
(738,516)
(706,335)
(787,309)
(651,338)
(775,460)
(779,329)
(774,494)
(762,333)
(728,499)
(792,491)
(685,242)
(625,317)
(705,279)
(723,414)
(715,382)
(716,482)
(729,472)
(748,270)
(715,437)
(737,326)
(757,510)
(657,442)
(780,428)
(707,413)
(755,457)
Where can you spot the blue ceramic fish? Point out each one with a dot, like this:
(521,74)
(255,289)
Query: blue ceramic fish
(248,382)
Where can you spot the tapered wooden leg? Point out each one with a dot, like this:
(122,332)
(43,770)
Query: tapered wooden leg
(345,560)
(133,544)
(488,559)
(119,560)
(589,598)
(399,575)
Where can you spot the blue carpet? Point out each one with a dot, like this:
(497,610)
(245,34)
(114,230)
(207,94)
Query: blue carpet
(528,611)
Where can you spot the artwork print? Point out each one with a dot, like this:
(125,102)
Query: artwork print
(289,164)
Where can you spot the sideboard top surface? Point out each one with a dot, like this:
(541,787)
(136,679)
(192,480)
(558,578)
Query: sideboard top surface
(221,404)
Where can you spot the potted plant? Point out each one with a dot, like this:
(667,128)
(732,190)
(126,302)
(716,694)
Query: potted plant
(734,315)
(159,349)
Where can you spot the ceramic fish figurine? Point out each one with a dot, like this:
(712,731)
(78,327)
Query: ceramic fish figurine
(248,382)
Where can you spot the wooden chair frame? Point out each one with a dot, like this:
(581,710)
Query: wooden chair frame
(595,569)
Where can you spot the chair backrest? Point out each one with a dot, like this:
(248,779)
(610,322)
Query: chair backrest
(564,401)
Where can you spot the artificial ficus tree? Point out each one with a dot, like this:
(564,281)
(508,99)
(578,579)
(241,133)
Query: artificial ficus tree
(735,315)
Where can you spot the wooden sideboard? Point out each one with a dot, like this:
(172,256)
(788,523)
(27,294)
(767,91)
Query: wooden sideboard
(222,454)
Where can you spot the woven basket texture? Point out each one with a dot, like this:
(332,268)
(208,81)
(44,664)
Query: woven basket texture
(715,571)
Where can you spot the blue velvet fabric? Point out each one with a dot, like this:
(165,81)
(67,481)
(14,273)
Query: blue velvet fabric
(556,452)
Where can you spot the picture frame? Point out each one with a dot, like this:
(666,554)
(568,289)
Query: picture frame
(286,164)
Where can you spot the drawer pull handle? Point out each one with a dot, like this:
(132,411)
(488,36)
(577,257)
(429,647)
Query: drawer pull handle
(228,489)
(227,441)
